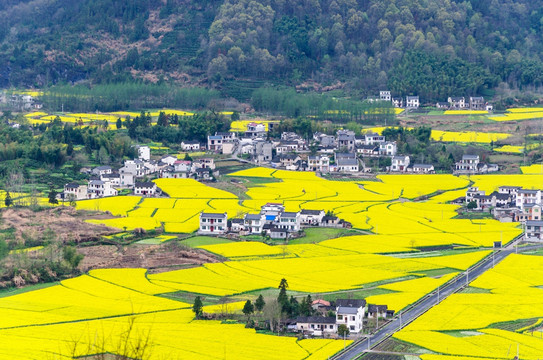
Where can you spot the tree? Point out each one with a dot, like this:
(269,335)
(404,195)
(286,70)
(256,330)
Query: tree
(162,119)
(7,201)
(260,303)
(472,205)
(248,309)
(72,257)
(342,330)
(197,308)
(305,306)
(119,123)
(53,196)
(282,299)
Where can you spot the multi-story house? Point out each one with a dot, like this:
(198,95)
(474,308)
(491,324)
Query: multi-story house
(254,223)
(456,102)
(289,221)
(320,163)
(412,102)
(73,191)
(213,223)
(351,312)
(399,163)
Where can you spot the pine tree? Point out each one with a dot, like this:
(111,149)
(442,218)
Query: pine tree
(197,308)
(248,309)
(7,201)
(260,303)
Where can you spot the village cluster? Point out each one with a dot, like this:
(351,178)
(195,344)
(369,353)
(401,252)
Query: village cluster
(105,181)
(510,204)
(476,103)
(272,220)
(349,312)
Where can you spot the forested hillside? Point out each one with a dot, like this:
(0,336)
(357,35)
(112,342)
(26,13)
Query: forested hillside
(432,48)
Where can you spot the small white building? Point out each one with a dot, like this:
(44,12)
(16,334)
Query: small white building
(213,223)
(456,102)
(423,169)
(351,313)
(468,164)
(320,163)
(316,325)
(99,188)
(534,230)
(144,152)
(412,102)
(192,145)
(289,221)
(399,163)
(73,191)
(203,163)
(145,189)
(254,223)
(388,148)
(135,167)
(372,138)
(168,159)
(311,217)
(127,179)
(345,165)
(114,178)
(385,95)
(101,170)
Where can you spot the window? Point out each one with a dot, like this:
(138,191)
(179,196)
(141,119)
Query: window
(340,317)
(352,318)
(351,327)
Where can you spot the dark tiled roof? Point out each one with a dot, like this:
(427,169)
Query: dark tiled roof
(316,319)
(350,303)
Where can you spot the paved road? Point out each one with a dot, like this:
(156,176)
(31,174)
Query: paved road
(402,319)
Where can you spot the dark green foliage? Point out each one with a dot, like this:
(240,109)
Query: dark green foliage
(260,303)
(429,47)
(342,330)
(53,196)
(71,256)
(472,205)
(248,309)
(197,307)
(7,200)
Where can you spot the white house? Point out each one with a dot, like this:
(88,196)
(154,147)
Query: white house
(346,165)
(388,148)
(412,102)
(271,211)
(319,163)
(311,217)
(145,188)
(99,188)
(346,140)
(254,223)
(213,223)
(127,179)
(400,163)
(385,95)
(203,163)
(456,102)
(468,164)
(135,167)
(423,168)
(192,145)
(255,130)
(73,191)
(114,178)
(316,325)
(534,230)
(351,313)
(182,166)
(372,138)
(527,197)
(101,170)
(289,221)
(168,159)
(144,152)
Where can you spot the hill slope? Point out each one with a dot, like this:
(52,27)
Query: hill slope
(433,48)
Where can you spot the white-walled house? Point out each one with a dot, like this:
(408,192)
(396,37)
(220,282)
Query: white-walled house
(73,191)
(351,313)
(169,159)
(289,221)
(254,223)
(101,170)
(192,145)
(311,217)
(399,163)
(145,189)
(144,152)
(135,167)
(316,325)
(388,148)
(99,188)
(213,223)
(412,102)
(127,179)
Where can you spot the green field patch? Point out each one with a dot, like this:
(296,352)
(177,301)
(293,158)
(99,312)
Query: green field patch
(316,235)
(196,241)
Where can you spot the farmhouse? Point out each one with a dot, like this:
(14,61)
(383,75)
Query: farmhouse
(316,325)
(213,223)
(145,188)
(399,163)
(311,217)
(192,145)
(351,313)
(73,191)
